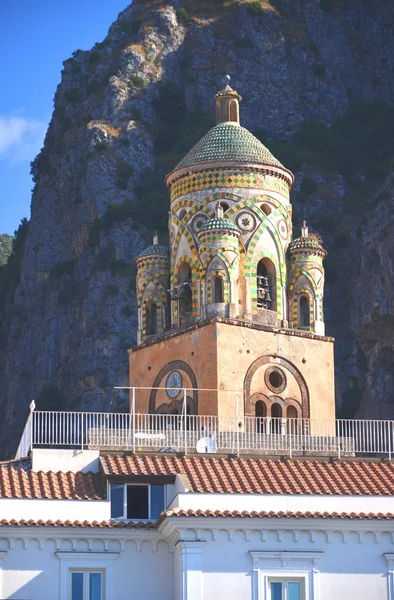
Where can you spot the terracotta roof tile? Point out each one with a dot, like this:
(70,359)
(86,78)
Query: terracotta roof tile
(179,512)
(21,483)
(258,476)
(90,524)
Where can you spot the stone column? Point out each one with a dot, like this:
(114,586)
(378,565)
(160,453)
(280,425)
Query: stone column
(188,570)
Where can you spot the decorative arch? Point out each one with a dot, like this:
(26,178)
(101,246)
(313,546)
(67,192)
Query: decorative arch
(174,365)
(275,360)
(253,258)
(296,298)
(159,286)
(152,300)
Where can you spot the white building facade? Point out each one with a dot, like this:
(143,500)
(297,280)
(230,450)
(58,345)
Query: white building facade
(195,528)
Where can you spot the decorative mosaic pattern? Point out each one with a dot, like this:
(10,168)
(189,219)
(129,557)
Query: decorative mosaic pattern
(219,224)
(160,324)
(228,142)
(227,178)
(307,292)
(210,291)
(278,286)
(153,278)
(195,271)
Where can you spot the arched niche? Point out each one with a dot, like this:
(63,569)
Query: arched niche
(304,311)
(249,400)
(266,284)
(175,365)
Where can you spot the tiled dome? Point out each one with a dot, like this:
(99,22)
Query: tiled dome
(219,223)
(306,243)
(229,142)
(154,250)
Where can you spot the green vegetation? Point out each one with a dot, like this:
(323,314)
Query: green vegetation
(361,141)
(255,8)
(94,57)
(183,15)
(100,146)
(244,42)
(112,289)
(320,70)
(327,6)
(63,268)
(138,81)
(41,165)
(10,272)
(5,247)
(51,398)
(123,174)
(72,95)
(308,186)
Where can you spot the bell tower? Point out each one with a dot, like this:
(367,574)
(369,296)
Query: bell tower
(243,309)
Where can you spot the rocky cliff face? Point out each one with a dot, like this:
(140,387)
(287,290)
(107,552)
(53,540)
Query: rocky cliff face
(127,110)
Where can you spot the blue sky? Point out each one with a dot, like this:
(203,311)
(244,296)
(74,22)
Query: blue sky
(36,36)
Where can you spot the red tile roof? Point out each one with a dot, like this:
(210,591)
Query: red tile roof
(179,512)
(260,476)
(18,481)
(90,524)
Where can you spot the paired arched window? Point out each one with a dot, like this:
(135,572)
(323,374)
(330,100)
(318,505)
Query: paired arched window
(151,318)
(304,315)
(266,284)
(217,289)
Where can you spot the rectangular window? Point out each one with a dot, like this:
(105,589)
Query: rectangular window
(86,585)
(286,590)
(136,501)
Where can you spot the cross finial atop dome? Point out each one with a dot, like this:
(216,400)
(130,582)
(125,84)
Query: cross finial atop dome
(304,230)
(219,211)
(227,103)
(155,239)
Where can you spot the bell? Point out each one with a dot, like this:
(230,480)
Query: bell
(268,296)
(265,281)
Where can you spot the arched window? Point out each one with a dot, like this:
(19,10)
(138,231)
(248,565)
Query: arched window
(234,111)
(266,284)
(217,288)
(182,213)
(185,294)
(261,412)
(304,317)
(292,414)
(276,414)
(151,318)
(266,209)
(224,206)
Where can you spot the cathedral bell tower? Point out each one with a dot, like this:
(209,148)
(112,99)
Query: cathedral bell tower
(235,303)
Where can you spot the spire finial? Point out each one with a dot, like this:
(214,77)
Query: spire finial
(219,211)
(227,103)
(304,229)
(227,80)
(155,239)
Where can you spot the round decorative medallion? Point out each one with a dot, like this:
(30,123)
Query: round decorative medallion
(275,379)
(173,384)
(283,230)
(246,221)
(197,221)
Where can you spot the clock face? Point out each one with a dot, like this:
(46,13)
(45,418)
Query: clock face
(173,384)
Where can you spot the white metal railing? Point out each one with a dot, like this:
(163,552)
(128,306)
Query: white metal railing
(236,435)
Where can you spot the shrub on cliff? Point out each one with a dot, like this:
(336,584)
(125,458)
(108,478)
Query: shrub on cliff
(5,247)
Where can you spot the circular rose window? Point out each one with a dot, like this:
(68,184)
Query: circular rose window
(275,379)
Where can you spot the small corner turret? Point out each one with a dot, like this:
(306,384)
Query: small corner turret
(306,282)
(153,276)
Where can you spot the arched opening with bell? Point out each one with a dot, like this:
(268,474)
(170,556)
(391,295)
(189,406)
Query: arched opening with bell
(266,284)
